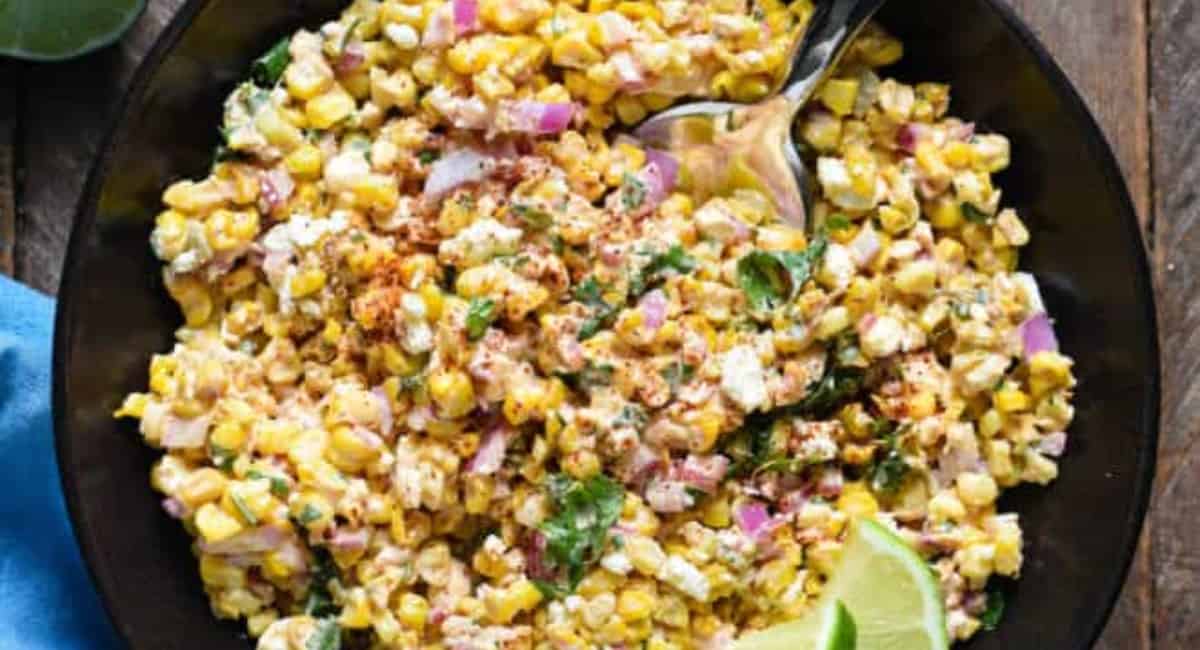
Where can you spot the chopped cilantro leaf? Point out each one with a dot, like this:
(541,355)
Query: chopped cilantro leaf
(536,218)
(480,315)
(677,374)
(888,474)
(675,259)
(427,156)
(633,192)
(973,214)
(837,221)
(268,68)
(246,513)
(990,618)
(591,376)
(279,485)
(308,515)
(577,533)
(318,601)
(770,278)
(327,636)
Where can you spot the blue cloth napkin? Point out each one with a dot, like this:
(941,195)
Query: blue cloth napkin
(47,601)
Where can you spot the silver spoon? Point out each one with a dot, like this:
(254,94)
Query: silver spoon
(717,139)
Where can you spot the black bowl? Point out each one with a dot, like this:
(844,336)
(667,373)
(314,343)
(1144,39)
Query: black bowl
(1087,253)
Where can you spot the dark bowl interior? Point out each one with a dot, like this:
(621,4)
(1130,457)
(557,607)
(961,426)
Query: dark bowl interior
(1087,253)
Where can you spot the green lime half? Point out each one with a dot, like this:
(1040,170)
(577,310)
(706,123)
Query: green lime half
(827,627)
(889,591)
(52,30)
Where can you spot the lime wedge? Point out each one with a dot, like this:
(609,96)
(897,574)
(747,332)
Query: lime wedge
(828,627)
(52,30)
(889,591)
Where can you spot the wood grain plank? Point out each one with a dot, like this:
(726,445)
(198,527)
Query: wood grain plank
(66,111)
(8,180)
(1175,83)
(1102,46)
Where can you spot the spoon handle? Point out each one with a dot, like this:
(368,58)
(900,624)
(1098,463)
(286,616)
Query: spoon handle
(831,31)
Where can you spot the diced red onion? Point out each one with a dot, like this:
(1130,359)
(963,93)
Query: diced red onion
(275,188)
(641,463)
(910,135)
(255,540)
(455,169)
(865,246)
(555,117)
(351,58)
(466,16)
(439,31)
(668,167)
(490,455)
(702,472)
(535,557)
(179,433)
(349,540)
(1037,335)
(654,306)
(174,507)
(964,132)
(1054,444)
(611,255)
(651,178)
(667,496)
(751,517)
(386,419)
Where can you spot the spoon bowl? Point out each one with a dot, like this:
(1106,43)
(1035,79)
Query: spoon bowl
(724,145)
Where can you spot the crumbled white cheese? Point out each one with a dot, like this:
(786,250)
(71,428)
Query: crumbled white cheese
(837,268)
(742,378)
(480,242)
(685,577)
(882,338)
(617,563)
(345,169)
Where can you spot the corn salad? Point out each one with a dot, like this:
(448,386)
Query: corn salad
(462,368)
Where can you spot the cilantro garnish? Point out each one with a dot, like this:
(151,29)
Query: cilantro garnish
(536,218)
(589,292)
(973,214)
(268,68)
(328,636)
(633,191)
(427,156)
(318,601)
(772,278)
(675,259)
(480,315)
(578,532)
(888,474)
(592,375)
(677,374)
(990,618)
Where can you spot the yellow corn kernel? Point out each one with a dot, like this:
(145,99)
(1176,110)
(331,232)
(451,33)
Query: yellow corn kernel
(636,604)
(452,392)
(203,486)
(917,278)
(306,79)
(216,572)
(1047,371)
(832,322)
(1011,400)
(304,162)
(751,88)
(348,452)
(308,446)
(922,404)
(645,554)
(524,402)
(572,50)
(215,525)
(413,611)
(397,89)
(629,110)
(377,192)
(307,282)
(229,435)
(945,214)
(330,108)
(976,489)
(193,298)
(504,604)
(716,513)
(277,130)
(857,501)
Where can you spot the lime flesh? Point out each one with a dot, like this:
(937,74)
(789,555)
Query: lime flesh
(890,594)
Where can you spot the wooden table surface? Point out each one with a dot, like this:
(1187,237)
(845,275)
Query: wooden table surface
(1136,61)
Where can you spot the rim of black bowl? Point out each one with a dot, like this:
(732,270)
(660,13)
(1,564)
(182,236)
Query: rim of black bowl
(85,217)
